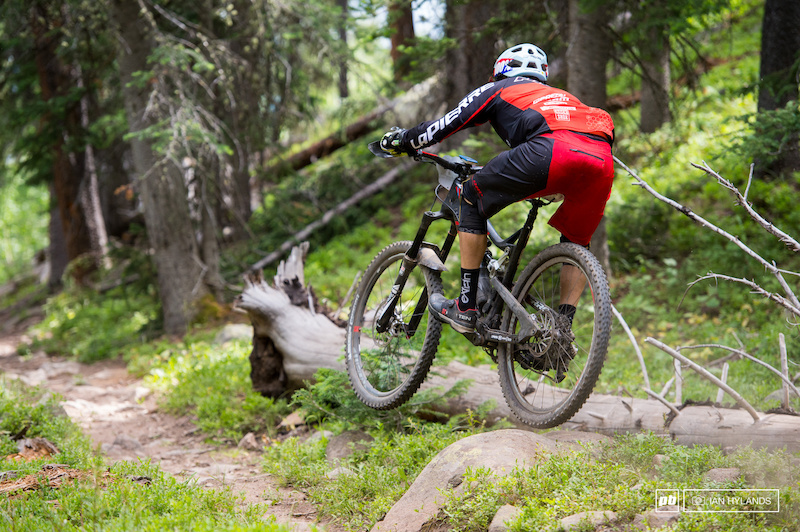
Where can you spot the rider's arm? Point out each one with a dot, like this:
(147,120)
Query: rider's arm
(471,111)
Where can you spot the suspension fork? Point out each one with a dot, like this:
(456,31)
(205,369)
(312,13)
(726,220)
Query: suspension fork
(410,260)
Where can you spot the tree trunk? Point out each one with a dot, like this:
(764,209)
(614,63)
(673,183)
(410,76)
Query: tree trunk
(401,26)
(54,82)
(780,53)
(587,57)
(344,90)
(209,223)
(57,250)
(655,80)
(292,337)
(90,192)
(161,184)
(588,54)
(469,64)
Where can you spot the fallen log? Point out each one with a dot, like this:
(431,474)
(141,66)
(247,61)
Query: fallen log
(373,188)
(410,107)
(326,146)
(292,340)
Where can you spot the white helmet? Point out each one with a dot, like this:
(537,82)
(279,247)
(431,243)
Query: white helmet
(522,60)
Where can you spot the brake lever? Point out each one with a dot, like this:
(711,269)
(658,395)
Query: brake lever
(377,151)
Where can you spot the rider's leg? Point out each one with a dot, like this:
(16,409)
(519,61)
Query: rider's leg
(473,247)
(572,284)
(571,287)
(462,313)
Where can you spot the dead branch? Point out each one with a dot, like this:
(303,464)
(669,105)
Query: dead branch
(769,266)
(780,300)
(634,343)
(739,352)
(663,401)
(381,183)
(790,242)
(741,401)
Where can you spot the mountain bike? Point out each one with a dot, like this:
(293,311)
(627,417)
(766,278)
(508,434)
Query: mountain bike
(547,365)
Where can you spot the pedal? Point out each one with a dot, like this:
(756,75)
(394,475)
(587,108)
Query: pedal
(501,337)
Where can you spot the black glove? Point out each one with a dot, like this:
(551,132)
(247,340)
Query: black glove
(392,142)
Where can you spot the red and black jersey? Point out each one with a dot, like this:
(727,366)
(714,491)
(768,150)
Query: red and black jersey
(518,109)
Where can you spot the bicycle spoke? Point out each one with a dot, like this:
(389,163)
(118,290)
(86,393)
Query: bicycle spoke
(547,379)
(386,367)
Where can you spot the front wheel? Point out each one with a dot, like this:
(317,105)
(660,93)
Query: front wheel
(547,379)
(387,362)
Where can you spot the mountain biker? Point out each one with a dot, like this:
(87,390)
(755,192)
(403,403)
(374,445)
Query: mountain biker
(559,146)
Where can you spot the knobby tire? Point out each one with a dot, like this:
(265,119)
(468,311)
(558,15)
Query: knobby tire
(386,369)
(528,373)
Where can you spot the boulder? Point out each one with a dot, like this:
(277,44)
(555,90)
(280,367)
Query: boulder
(500,451)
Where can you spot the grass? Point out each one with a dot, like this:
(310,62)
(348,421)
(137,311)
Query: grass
(622,479)
(381,474)
(656,253)
(126,496)
(212,383)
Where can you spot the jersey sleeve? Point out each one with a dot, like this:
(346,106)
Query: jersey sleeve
(471,111)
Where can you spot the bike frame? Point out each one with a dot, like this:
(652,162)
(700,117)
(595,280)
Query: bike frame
(512,248)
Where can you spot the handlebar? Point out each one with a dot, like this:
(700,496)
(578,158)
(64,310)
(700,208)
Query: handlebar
(466,168)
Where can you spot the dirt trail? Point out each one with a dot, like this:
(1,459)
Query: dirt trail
(121,417)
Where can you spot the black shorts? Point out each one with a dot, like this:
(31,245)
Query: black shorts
(577,166)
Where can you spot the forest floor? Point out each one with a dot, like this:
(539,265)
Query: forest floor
(122,419)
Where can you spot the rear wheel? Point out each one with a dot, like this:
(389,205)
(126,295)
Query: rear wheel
(546,380)
(387,366)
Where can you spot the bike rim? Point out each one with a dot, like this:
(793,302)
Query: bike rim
(537,388)
(386,360)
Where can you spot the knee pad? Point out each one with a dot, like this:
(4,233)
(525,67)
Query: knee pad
(470,219)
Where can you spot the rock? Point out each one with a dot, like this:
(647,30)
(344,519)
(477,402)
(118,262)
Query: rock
(234,331)
(126,442)
(500,451)
(504,514)
(251,443)
(723,474)
(140,393)
(639,522)
(665,516)
(291,422)
(319,435)
(339,472)
(576,522)
(346,443)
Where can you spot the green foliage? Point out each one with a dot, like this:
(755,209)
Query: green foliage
(23,222)
(382,473)
(115,501)
(554,487)
(91,326)
(622,479)
(212,383)
(30,413)
(331,399)
(125,496)
(772,133)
